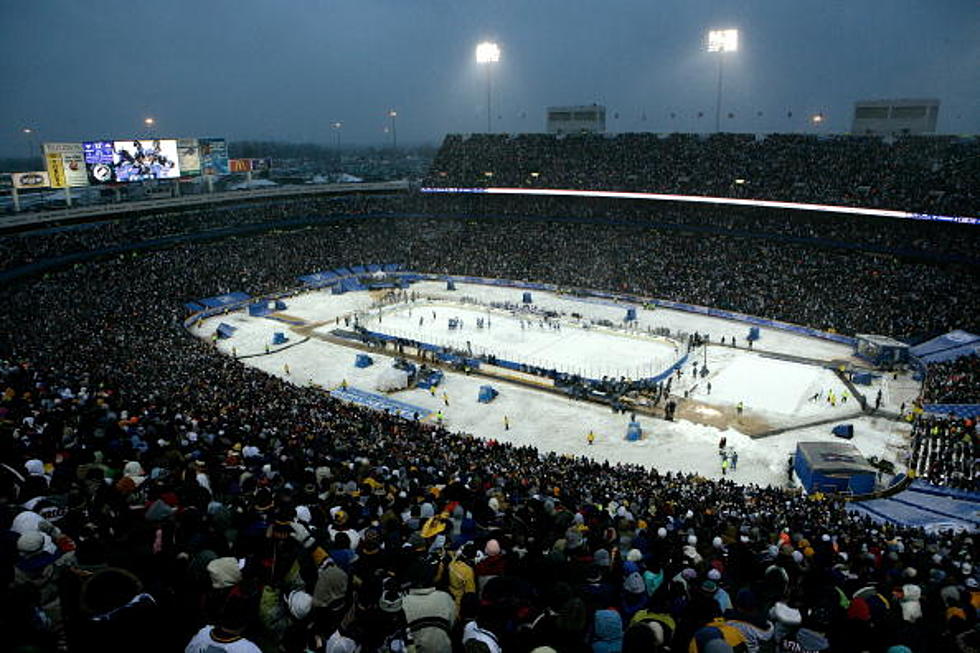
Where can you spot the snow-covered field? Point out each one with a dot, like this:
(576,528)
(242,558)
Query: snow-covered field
(773,392)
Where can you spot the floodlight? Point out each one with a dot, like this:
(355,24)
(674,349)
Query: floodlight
(723,40)
(149,122)
(817,118)
(487,52)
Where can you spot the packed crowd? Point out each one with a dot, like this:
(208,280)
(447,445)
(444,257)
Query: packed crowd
(944,451)
(798,281)
(904,237)
(17,249)
(928,174)
(156,492)
(953,382)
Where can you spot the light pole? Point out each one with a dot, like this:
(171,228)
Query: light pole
(29,135)
(488,53)
(394,131)
(150,124)
(721,41)
(336,129)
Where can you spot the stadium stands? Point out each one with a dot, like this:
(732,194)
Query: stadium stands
(139,466)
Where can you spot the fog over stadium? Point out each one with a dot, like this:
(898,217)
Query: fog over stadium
(285,71)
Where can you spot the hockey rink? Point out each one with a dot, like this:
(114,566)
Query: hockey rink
(772,391)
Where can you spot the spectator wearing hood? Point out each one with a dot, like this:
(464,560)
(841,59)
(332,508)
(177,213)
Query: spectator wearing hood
(607,630)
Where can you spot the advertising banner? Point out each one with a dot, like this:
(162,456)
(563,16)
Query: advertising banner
(71,159)
(140,160)
(37,179)
(188,157)
(240,165)
(55,169)
(100,161)
(214,156)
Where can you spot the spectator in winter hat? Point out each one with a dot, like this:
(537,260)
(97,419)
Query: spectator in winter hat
(430,612)
(224,573)
(494,564)
(607,632)
(634,596)
(329,596)
(460,573)
(42,572)
(911,608)
(747,617)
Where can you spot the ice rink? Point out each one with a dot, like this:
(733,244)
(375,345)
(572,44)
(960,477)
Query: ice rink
(575,346)
(775,393)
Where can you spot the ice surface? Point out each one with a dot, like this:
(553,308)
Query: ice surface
(775,389)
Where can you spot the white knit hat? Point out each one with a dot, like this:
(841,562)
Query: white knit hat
(300,603)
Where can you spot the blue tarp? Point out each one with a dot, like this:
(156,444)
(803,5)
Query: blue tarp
(487,394)
(954,344)
(225,330)
(926,506)
(358,269)
(380,402)
(862,378)
(224,300)
(960,410)
(634,432)
(194,307)
(373,267)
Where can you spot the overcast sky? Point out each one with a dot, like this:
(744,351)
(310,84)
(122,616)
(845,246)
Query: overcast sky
(285,69)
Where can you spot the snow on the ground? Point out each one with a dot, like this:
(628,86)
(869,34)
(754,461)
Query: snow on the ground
(775,388)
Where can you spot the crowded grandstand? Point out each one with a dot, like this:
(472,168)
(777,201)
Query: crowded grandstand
(157,490)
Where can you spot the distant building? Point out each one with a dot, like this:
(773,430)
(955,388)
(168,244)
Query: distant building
(892,117)
(590,119)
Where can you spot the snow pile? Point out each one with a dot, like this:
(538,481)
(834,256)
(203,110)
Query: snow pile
(391,380)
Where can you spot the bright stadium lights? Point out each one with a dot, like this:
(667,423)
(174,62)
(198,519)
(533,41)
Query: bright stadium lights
(29,136)
(488,53)
(721,41)
(817,118)
(149,122)
(336,126)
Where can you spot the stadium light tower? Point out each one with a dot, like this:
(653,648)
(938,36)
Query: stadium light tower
(336,126)
(721,41)
(28,133)
(488,53)
(394,132)
(150,124)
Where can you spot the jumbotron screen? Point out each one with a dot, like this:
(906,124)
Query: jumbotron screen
(131,160)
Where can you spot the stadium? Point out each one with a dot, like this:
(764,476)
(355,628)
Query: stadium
(559,392)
